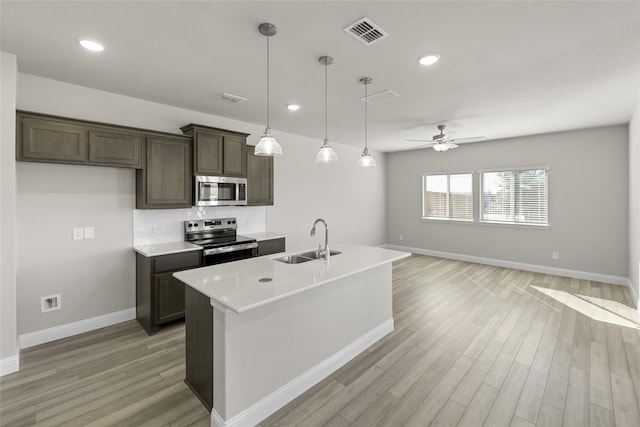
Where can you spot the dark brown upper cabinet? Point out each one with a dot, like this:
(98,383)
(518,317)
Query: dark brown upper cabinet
(259,179)
(166,180)
(217,152)
(51,139)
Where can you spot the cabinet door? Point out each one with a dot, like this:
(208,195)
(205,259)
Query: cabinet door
(259,179)
(51,141)
(207,159)
(165,181)
(169,298)
(115,148)
(235,157)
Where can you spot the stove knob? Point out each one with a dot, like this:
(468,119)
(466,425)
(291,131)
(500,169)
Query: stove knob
(190,225)
(195,225)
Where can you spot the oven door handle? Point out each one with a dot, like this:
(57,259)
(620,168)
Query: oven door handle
(233,248)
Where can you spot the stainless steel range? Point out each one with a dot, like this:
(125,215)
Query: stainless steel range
(220,240)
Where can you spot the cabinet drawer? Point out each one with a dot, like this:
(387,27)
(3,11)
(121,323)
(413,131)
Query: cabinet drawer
(173,262)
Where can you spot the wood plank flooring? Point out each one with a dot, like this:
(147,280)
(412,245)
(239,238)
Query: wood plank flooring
(473,345)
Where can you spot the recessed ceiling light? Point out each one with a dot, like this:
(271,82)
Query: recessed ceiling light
(92,45)
(293,107)
(429,59)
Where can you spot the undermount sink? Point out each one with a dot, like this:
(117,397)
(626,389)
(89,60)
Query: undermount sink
(293,259)
(316,254)
(304,257)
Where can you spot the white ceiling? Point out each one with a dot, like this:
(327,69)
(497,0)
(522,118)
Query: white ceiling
(506,69)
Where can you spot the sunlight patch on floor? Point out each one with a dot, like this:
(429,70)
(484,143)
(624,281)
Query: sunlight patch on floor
(596,308)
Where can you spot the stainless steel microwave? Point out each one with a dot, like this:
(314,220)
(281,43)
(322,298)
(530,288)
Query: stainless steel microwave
(219,191)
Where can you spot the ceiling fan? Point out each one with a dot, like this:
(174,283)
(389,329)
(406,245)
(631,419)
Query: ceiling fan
(443,142)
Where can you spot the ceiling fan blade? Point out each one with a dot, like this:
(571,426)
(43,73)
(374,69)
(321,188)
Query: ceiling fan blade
(452,145)
(418,140)
(467,139)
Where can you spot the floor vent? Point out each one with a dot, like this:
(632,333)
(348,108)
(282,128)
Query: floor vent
(231,98)
(379,97)
(366,31)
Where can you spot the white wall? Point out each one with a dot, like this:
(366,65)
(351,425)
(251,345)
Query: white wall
(634,203)
(588,201)
(351,200)
(8,316)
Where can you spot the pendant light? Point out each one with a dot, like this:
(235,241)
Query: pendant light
(267,146)
(366,160)
(326,153)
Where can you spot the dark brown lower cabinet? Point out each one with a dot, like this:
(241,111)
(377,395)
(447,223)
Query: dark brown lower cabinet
(159,296)
(199,345)
(271,246)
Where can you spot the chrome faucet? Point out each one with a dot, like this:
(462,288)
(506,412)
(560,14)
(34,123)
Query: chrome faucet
(326,237)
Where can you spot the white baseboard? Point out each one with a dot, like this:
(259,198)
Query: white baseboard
(9,365)
(596,277)
(285,394)
(67,330)
(634,294)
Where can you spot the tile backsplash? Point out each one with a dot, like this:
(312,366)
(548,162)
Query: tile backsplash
(152,226)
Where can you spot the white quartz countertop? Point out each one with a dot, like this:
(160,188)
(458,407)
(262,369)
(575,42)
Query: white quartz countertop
(264,235)
(166,248)
(237,286)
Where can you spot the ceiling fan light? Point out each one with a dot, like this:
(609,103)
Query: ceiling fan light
(267,146)
(326,154)
(440,146)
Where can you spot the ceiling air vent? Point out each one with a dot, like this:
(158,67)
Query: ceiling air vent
(376,98)
(366,31)
(231,98)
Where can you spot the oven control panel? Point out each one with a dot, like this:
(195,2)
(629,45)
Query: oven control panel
(197,225)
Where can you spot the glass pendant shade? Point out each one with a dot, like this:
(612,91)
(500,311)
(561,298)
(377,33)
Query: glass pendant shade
(366,160)
(326,154)
(267,146)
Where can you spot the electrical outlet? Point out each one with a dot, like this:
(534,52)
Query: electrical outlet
(402,237)
(78,233)
(89,232)
(50,303)
(555,255)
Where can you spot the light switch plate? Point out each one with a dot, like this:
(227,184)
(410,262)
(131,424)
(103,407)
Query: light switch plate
(78,233)
(89,232)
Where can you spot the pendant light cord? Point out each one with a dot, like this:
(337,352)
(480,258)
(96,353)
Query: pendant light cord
(365,117)
(325,100)
(267,81)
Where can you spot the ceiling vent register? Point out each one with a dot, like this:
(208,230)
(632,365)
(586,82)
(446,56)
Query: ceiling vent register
(366,31)
(376,98)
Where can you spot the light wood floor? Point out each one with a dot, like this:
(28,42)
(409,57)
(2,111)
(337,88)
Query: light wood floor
(473,345)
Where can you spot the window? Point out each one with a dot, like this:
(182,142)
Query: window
(447,196)
(515,196)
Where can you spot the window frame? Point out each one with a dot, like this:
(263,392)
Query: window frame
(480,199)
(423,181)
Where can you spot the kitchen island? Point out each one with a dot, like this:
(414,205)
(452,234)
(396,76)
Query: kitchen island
(260,332)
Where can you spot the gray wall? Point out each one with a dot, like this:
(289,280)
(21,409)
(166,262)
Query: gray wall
(588,201)
(8,316)
(634,203)
(93,276)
